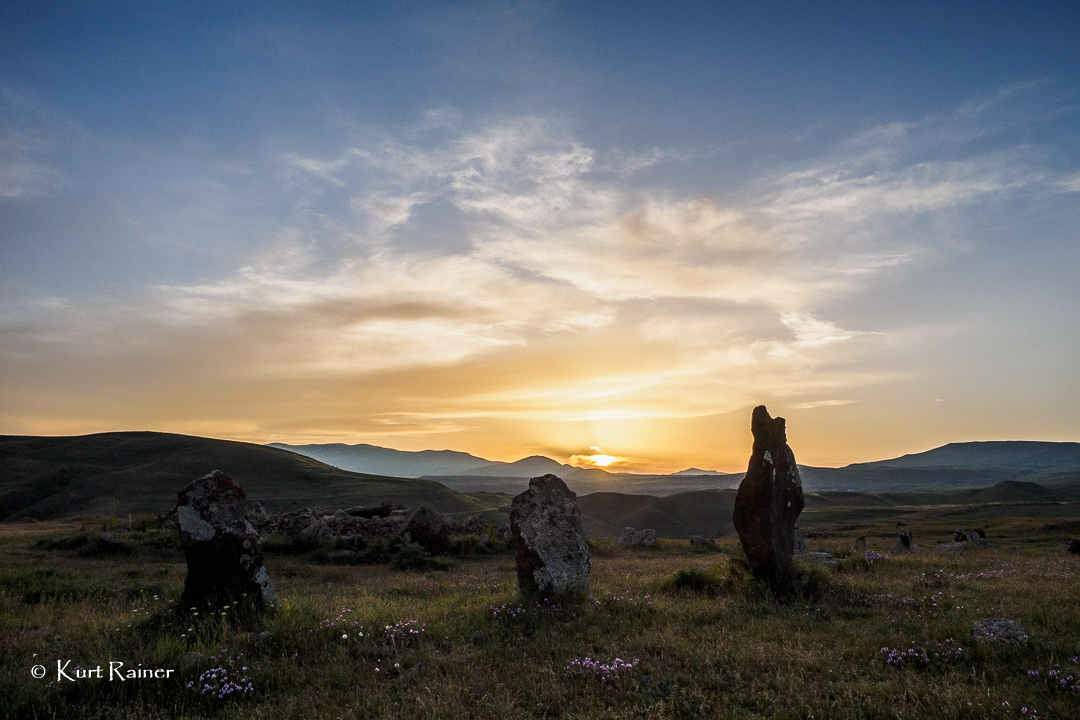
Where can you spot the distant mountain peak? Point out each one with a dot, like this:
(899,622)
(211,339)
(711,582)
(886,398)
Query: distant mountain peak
(698,471)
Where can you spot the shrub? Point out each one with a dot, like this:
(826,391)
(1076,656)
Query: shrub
(694,580)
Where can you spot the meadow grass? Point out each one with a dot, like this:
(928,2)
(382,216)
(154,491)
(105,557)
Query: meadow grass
(669,632)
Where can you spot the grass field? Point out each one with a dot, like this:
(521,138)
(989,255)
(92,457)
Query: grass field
(669,633)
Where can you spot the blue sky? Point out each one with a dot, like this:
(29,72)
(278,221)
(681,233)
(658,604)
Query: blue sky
(526,227)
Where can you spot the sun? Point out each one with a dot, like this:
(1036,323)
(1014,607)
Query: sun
(601,460)
(596,459)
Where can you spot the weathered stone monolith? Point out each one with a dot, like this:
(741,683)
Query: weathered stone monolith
(552,557)
(222,549)
(769,500)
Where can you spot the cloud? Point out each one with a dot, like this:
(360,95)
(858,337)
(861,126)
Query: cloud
(27,169)
(420,287)
(821,403)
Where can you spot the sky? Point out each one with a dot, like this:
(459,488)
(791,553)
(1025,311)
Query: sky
(586,230)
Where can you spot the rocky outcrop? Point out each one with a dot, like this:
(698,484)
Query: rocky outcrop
(769,499)
(977,538)
(966,539)
(222,549)
(905,544)
(549,545)
(323,527)
(642,538)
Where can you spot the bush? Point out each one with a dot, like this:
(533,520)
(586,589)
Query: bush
(694,580)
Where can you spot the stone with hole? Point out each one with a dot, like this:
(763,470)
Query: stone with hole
(769,499)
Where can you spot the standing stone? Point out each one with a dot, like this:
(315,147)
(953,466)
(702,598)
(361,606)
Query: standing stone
(1074,546)
(222,549)
(799,545)
(769,500)
(905,544)
(978,538)
(549,545)
(860,545)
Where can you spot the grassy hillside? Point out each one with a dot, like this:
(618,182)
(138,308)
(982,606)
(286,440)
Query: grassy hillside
(708,512)
(696,637)
(702,512)
(51,477)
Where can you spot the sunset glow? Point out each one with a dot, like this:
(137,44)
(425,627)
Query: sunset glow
(547,229)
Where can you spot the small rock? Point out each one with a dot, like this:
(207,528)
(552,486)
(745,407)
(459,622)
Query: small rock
(823,559)
(318,532)
(999,630)
(428,527)
(1074,547)
(343,556)
(259,638)
(414,670)
(192,661)
(630,536)
(952,547)
(700,542)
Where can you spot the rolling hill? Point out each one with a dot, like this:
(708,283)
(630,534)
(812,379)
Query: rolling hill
(49,477)
(375,460)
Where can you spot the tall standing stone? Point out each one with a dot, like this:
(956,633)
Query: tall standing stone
(769,500)
(549,544)
(224,556)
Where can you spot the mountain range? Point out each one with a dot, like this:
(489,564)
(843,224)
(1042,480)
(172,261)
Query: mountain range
(141,472)
(445,463)
(952,466)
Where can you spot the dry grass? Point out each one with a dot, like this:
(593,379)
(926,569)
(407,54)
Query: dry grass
(732,652)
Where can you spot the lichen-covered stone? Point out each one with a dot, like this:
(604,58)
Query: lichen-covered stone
(630,536)
(999,630)
(224,556)
(549,544)
(769,499)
